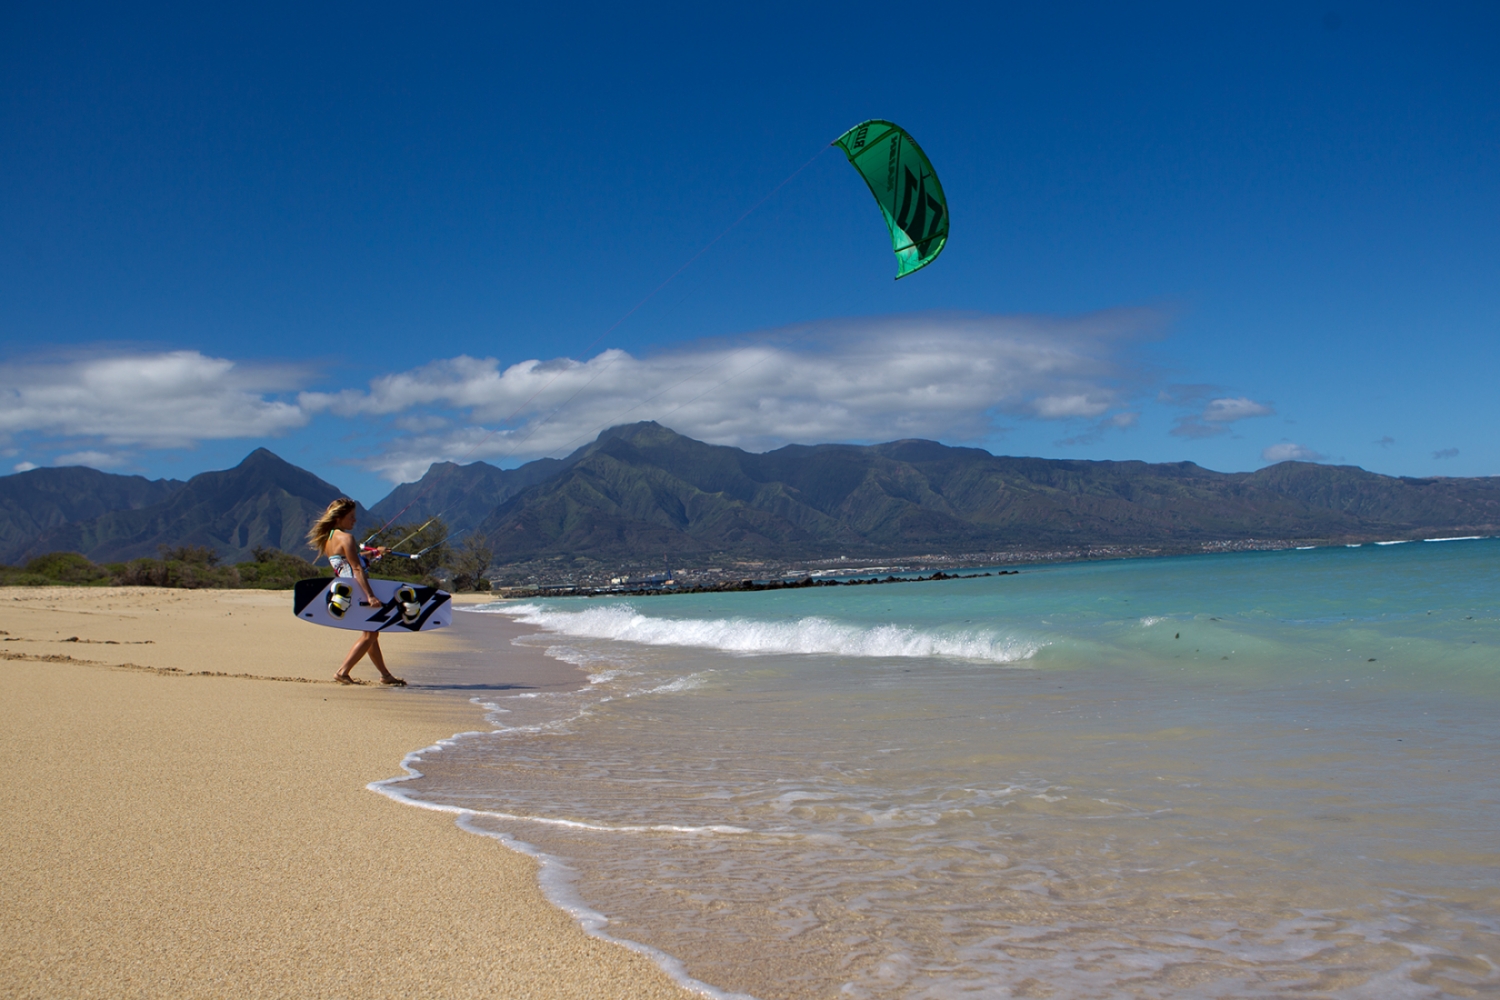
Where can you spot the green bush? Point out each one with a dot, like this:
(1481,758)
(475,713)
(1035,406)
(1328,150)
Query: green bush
(148,572)
(273,569)
(15,576)
(193,555)
(54,568)
(197,566)
(65,567)
(191,567)
(470,563)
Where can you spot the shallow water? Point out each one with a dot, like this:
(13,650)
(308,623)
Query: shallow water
(1241,775)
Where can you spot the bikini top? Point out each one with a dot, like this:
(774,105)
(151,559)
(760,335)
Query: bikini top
(341,565)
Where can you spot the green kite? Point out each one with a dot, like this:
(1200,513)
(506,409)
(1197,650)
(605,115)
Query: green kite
(905,186)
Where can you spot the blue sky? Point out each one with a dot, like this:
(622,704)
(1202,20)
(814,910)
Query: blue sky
(366,236)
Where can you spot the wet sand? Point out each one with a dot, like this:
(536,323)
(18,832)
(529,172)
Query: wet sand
(170,832)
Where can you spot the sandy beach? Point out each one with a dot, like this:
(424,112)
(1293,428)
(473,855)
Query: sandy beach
(171,832)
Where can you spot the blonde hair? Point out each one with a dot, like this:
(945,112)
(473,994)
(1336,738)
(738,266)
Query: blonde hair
(318,534)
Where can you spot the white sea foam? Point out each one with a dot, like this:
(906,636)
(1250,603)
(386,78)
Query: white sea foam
(811,635)
(687,683)
(556,878)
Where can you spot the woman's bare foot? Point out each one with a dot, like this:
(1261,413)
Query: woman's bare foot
(393,680)
(343,678)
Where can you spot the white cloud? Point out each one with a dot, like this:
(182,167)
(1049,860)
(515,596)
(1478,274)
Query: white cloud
(93,459)
(1287,451)
(1217,414)
(25,466)
(945,376)
(1077,405)
(159,400)
(1223,411)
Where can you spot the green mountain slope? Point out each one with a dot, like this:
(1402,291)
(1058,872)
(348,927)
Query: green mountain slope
(644,491)
(34,502)
(262,501)
(462,495)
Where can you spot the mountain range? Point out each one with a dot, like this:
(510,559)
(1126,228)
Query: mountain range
(462,495)
(642,492)
(263,501)
(42,500)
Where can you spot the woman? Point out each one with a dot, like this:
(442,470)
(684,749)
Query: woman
(332,536)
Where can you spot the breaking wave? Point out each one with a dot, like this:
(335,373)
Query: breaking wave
(811,635)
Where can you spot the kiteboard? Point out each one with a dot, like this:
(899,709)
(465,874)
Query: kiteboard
(339,603)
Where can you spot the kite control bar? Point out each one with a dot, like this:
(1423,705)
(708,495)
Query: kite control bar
(404,555)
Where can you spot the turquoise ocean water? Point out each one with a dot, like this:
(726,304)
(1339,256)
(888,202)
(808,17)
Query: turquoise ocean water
(1240,775)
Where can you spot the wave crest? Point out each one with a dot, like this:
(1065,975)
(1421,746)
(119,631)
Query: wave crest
(812,635)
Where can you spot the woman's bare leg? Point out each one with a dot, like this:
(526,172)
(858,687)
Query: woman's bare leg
(378,658)
(368,643)
(356,653)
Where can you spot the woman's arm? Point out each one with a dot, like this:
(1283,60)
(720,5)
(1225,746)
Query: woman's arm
(344,541)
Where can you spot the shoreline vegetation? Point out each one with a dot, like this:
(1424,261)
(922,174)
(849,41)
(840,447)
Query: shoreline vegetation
(200,567)
(185,567)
